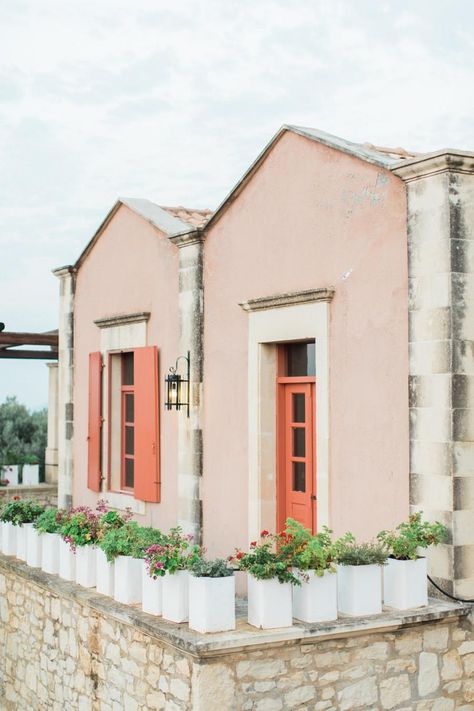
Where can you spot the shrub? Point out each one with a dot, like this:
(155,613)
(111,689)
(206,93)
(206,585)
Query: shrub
(403,543)
(19,511)
(268,559)
(129,539)
(50,521)
(218,568)
(352,553)
(174,553)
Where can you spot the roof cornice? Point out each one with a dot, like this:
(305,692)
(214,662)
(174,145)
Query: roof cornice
(63,271)
(446,160)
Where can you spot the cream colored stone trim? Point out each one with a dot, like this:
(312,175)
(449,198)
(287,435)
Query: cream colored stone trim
(447,161)
(291,323)
(122,319)
(293,297)
(128,335)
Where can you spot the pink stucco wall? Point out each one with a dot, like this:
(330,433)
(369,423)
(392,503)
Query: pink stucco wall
(313,217)
(131,268)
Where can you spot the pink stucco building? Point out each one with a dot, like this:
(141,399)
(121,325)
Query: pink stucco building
(318,304)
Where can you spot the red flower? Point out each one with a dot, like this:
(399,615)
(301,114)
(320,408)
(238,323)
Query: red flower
(264,533)
(16,498)
(253,544)
(240,555)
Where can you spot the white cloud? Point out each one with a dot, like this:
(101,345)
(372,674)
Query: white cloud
(172,101)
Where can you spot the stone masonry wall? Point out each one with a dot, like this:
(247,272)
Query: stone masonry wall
(45,494)
(64,647)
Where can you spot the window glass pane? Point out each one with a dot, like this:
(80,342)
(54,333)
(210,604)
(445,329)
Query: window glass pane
(129,440)
(298,407)
(129,408)
(299,476)
(299,442)
(127,369)
(129,473)
(301,359)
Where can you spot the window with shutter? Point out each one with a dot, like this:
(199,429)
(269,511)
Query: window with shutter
(134,462)
(147,453)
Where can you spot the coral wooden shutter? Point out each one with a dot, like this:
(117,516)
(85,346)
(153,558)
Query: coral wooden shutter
(95,422)
(147,455)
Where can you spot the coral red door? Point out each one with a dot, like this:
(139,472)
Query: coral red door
(296,475)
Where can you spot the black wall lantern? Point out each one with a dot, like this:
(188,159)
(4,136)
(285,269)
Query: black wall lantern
(177,387)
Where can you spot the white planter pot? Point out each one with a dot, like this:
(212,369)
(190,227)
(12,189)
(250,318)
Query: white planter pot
(176,596)
(50,552)
(104,574)
(405,583)
(270,603)
(21,541)
(128,580)
(67,561)
(9,533)
(33,547)
(86,566)
(152,600)
(212,604)
(315,600)
(359,589)
(10,472)
(30,474)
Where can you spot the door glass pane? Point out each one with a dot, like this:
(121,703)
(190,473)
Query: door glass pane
(299,476)
(127,369)
(298,407)
(129,473)
(129,440)
(301,359)
(299,441)
(129,408)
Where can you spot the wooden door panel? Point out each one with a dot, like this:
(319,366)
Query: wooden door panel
(296,461)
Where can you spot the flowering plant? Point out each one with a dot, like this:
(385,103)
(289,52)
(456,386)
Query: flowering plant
(403,543)
(174,553)
(110,520)
(129,539)
(79,527)
(267,559)
(19,511)
(308,552)
(50,521)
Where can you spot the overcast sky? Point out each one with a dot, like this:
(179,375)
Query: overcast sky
(173,100)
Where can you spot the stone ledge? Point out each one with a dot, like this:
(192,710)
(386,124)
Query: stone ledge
(36,488)
(244,638)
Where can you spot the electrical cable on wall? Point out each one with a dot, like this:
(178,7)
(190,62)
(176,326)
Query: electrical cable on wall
(458,599)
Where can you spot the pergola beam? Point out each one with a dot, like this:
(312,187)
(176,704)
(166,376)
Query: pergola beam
(8,339)
(29,355)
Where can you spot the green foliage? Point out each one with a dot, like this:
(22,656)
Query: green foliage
(50,521)
(308,552)
(352,553)
(23,433)
(79,527)
(175,552)
(129,539)
(111,520)
(19,511)
(268,559)
(403,543)
(218,568)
